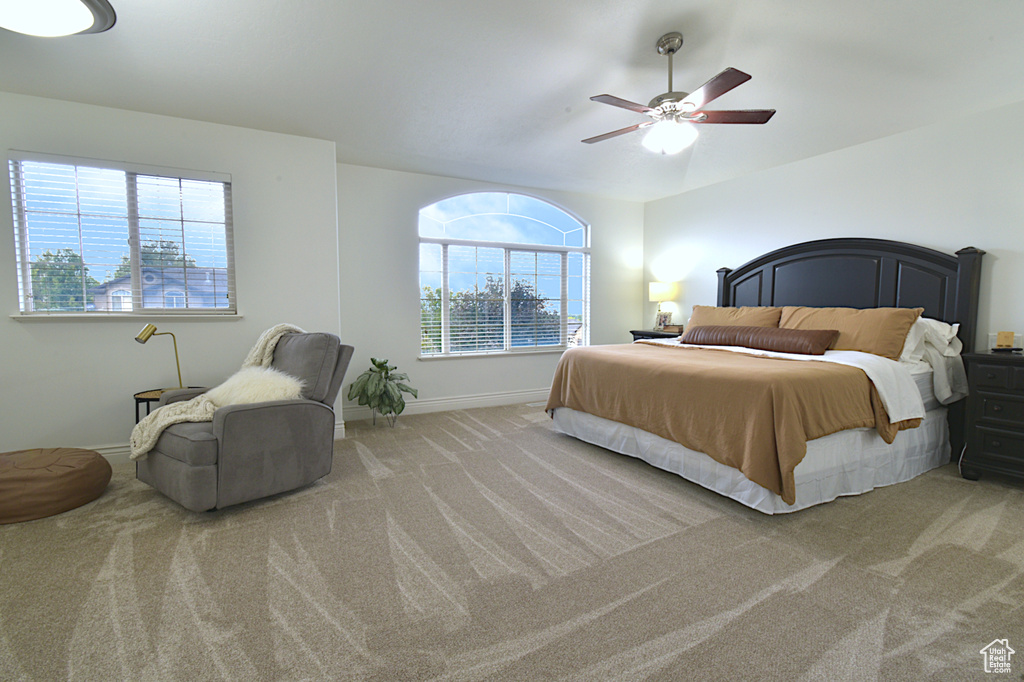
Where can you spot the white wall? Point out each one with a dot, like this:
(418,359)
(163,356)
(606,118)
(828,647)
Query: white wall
(947,186)
(379,260)
(70,383)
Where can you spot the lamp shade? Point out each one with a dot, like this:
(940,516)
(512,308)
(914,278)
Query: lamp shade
(661,291)
(670,137)
(146,332)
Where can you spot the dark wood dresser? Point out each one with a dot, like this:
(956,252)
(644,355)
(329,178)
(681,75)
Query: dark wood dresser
(995,415)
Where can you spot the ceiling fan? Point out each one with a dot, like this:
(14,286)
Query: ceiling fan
(671,111)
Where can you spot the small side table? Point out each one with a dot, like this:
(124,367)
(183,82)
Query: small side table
(148,397)
(652,334)
(152,396)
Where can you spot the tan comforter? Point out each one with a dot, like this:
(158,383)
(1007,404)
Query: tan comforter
(752,413)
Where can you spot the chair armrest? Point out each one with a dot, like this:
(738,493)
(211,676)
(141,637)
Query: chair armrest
(179,394)
(271,447)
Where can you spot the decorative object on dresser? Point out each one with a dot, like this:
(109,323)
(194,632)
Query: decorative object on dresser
(150,330)
(995,415)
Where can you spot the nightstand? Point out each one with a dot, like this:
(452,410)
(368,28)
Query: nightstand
(995,415)
(652,334)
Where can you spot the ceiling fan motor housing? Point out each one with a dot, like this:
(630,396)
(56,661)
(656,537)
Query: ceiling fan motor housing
(666,98)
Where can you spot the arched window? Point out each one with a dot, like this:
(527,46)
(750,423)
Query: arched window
(174,299)
(121,299)
(502,272)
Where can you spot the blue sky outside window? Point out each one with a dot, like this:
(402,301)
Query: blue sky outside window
(484,289)
(75,225)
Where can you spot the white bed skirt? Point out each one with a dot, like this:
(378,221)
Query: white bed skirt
(845,463)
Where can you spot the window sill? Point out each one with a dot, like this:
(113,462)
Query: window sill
(493,354)
(143,317)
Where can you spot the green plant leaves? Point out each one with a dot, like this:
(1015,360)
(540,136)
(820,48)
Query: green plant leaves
(381,389)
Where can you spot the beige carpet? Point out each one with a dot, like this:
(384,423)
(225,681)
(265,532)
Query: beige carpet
(482,545)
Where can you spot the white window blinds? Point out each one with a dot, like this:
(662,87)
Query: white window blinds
(100,237)
(502,272)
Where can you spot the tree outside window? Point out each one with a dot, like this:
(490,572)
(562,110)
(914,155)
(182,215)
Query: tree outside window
(98,236)
(501,272)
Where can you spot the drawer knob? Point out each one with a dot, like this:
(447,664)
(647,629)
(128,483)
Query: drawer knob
(996,444)
(990,375)
(997,408)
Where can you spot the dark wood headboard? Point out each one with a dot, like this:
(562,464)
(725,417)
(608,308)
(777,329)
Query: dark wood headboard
(862,273)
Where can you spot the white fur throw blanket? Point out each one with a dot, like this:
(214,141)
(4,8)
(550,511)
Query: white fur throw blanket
(201,408)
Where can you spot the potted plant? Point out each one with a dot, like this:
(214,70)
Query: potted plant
(381,388)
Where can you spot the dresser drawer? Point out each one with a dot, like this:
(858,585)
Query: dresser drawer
(1001,445)
(1002,409)
(992,376)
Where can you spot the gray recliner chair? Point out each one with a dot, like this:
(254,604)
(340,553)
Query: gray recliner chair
(254,450)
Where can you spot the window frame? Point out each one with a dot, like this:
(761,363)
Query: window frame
(508,248)
(136,238)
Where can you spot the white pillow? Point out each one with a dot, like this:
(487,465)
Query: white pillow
(255,385)
(936,344)
(926,331)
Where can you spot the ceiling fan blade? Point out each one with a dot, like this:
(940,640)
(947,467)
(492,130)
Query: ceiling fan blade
(714,88)
(616,133)
(734,116)
(622,103)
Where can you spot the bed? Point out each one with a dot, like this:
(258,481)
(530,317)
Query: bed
(849,457)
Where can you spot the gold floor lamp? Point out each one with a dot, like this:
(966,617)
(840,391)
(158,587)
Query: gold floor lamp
(150,330)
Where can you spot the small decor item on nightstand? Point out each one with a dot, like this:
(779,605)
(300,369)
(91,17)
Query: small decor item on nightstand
(674,328)
(662,319)
(1004,342)
(380,387)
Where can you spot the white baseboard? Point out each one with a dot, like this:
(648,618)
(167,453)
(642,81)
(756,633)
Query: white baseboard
(465,402)
(114,453)
(122,452)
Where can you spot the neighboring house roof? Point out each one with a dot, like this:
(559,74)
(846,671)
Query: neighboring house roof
(199,280)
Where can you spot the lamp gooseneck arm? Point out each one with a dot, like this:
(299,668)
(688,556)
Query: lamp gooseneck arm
(177,363)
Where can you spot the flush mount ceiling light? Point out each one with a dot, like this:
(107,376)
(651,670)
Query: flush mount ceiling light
(52,18)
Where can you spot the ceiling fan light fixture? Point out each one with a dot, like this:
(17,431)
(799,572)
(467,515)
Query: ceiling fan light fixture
(670,137)
(53,18)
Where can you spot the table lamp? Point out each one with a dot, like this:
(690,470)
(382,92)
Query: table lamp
(150,330)
(660,292)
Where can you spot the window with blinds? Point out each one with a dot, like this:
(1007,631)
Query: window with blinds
(101,237)
(502,272)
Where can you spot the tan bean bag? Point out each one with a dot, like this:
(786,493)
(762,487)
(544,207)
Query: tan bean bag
(43,482)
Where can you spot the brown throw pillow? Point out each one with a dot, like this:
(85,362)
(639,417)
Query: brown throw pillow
(880,331)
(805,341)
(747,316)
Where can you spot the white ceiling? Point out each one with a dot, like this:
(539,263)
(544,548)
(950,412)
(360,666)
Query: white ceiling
(498,90)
